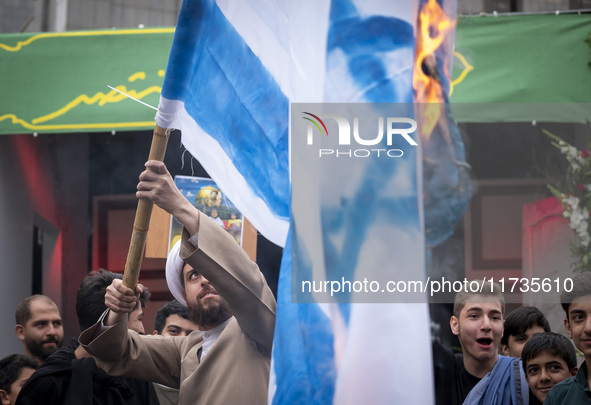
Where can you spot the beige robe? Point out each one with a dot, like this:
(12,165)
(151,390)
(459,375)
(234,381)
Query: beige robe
(236,368)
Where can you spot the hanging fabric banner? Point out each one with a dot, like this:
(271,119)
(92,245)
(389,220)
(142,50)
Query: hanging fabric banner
(522,68)
(506,68)
(57,82)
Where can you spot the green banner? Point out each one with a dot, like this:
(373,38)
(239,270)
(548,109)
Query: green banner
(57,82)
(518,64)
(506,68)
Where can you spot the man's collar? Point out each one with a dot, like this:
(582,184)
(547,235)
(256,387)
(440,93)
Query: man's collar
(216,331)
(581,377)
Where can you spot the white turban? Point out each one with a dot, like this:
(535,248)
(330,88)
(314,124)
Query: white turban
(174,271)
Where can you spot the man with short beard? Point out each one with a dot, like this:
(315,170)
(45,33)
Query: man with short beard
(479,375)
(39,326)
(70,376)
(227,361)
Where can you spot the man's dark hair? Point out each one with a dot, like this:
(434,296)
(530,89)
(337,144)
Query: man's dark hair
(90,298)
(10,369)
(551,343)
(581,286)
(144,297)
(170,308)
(23,310)
(521,319)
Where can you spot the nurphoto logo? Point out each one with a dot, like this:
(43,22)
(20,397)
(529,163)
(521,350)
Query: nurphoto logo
(395,127)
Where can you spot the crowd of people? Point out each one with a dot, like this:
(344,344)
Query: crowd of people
(212,344)
(537,365)
(113,361)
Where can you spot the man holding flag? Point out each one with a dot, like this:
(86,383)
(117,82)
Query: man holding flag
(227,362)
(236,67)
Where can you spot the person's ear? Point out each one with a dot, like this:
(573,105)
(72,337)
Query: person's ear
(567,327)
(573,372)
(4,397)
(20,331)
(505,349)
(155,333)
(454,324)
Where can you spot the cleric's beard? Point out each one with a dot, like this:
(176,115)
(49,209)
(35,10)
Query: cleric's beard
(210,317)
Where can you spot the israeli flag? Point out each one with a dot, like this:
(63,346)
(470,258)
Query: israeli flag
(235,66)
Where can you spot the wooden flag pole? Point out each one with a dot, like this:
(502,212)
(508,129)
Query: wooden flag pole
(142,216)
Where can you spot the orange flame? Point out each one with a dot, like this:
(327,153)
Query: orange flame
(433,27)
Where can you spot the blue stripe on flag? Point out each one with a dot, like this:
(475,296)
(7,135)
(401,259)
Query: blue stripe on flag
(233,98)
(364,40)
(305,375)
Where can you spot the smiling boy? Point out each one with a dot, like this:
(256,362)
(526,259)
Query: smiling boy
(479,327)
(577,307)
(547,358)
(479,374)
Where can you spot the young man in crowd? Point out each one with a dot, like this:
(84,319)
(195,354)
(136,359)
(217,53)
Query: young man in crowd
(70,376)
(172,320)
(480,374)
(39,326)
(15,370)
(227,297)
(577,307)
(520,325)
(547,359)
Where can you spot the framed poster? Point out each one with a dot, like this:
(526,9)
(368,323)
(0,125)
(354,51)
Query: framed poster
(204,194)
